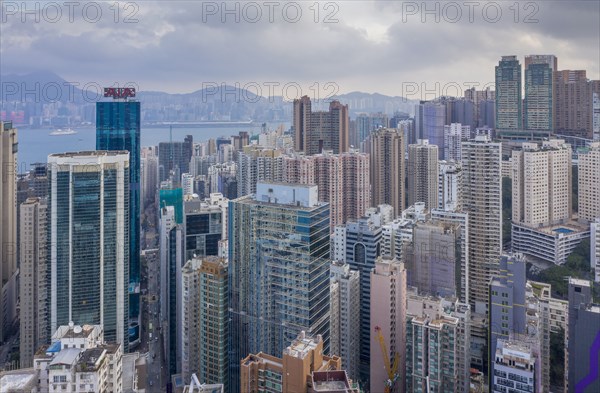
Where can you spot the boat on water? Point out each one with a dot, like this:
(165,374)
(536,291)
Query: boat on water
(59,131)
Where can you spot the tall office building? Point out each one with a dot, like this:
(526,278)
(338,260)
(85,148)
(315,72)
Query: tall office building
(205,320)
(149,176)
(437,344)
(577,104)
(519,316)
(279,270)
(344,326)
(33,273)
(8,228)
(509,110)
(584,336)
(388,168)
(460,110)
(484,107)
(88,217)
(430,119)
(423,174)
(508,309)
(482,201)
(542,184)
(487,114)
(362,239)
(388,323)
(171,262)
(118,129)
(588,170)
(318,131)
(539,92)
(174,158)
(205,224)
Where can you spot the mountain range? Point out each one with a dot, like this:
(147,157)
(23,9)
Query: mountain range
(213,103)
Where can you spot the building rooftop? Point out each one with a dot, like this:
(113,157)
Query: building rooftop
(111,348)
(18,381)
(67,356)
(595,308)
(76,331)
(569,228)
(518,351)
(90,358)
(300,196)
(93,153)
(578,281)
(302,346)
(331,381)
(261,358)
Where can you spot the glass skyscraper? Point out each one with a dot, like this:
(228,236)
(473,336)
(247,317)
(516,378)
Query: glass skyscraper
(279,270)
(509,110)
(539,92)
(88,237)
(118,128)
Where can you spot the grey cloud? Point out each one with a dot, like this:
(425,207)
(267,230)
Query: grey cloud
(172,49)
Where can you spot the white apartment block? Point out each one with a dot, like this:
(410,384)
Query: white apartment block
(454,134)
(187,183)
(589,182)
(514,368)
(449,186)
(542,183)
(507,168)
(78,360)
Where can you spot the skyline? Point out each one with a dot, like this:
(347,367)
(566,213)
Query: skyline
(300,196)
(363,51)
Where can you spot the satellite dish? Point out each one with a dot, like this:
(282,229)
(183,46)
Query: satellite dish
(77,329)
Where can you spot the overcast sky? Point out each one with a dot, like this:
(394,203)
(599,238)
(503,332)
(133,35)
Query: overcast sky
(379,46)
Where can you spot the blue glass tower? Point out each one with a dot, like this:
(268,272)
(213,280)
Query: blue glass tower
(118,128)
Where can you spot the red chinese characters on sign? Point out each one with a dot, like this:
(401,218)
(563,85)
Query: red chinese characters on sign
(119,92)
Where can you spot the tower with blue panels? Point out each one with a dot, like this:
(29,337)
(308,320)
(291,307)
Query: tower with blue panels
(118,128)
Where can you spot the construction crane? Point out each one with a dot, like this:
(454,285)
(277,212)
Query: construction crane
(391,369)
